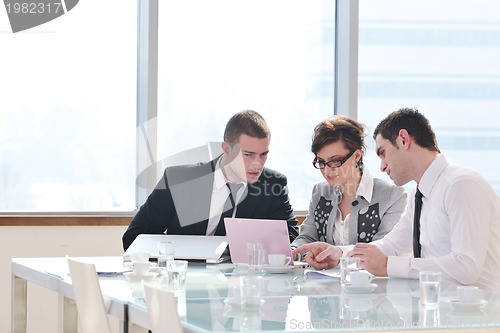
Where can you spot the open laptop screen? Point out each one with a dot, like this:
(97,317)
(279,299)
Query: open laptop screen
(273,234)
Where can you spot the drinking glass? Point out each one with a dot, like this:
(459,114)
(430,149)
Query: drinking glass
(348,265)
(176,274)
(256,254)
(166,252)
(430,286)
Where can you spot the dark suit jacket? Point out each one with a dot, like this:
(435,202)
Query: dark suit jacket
(180,203)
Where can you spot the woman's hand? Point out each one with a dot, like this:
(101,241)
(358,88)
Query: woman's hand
(319,255)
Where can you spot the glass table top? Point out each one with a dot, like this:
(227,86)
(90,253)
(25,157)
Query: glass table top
(291,301)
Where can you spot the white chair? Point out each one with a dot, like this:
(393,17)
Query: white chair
(92,314)
(162,310)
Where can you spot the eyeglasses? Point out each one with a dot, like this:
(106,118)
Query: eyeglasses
(333,163)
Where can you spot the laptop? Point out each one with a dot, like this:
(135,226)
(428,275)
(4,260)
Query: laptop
(209,249)
(273,234)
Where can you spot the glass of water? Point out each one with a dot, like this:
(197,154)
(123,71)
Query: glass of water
(176,274)
(166,252)
(256,255)
(430,286)
(348,265)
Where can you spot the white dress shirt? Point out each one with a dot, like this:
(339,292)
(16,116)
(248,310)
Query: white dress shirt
(341,229)
(459,229)
(220,192)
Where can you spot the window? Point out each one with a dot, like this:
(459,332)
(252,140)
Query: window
(68,139)
(67,122)
(68,116)
(274,57)
(440,57)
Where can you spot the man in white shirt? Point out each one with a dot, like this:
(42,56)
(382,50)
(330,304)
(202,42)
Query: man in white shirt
(460,216)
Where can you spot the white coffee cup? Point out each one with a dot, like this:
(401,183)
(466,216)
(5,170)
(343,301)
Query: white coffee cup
(141,268)
(360,278)
(468,294)
(278,260)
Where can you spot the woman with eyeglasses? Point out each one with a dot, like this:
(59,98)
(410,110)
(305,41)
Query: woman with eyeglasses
(350,206)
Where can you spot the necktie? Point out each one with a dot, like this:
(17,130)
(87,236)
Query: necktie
(229,205)
(226,211)
(416,224)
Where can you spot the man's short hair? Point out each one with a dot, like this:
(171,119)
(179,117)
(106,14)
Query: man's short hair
(415,123)
(247,122)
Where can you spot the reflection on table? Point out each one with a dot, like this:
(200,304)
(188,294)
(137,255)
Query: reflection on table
(297,302)
(291,301)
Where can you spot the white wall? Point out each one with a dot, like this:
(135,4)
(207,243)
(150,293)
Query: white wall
(22,242)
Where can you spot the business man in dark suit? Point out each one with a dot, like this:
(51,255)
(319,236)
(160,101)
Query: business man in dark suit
(194,199)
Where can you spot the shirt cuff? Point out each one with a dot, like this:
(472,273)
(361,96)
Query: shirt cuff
(345,249)
(398,266)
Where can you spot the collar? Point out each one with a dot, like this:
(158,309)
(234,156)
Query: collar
(432,174)
(220,180)
(365,188)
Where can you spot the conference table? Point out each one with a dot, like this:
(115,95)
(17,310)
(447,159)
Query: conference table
(299,300)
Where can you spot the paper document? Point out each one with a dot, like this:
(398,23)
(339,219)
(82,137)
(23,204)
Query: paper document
(331,272)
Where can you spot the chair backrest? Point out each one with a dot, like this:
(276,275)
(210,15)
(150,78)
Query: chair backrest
(92,314)
(162,310)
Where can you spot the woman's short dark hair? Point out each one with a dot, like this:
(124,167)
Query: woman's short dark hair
(339,128)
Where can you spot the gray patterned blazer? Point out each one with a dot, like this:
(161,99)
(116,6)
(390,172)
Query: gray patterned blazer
(368,221)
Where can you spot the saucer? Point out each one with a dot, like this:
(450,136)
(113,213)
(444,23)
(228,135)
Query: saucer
(130,266)
(359,289)
(131,276)
(278,269)
(458,306)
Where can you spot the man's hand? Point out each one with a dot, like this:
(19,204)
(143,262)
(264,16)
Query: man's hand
(372,259)
(319,255)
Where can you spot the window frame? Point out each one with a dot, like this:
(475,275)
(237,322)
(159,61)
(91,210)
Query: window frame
(346,81)
(346,77)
